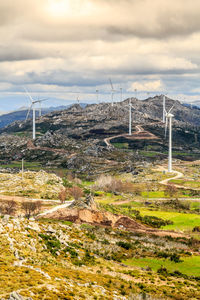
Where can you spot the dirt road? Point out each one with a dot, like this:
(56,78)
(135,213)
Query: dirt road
(139,134)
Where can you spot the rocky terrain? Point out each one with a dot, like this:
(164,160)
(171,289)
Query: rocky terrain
(60,260)
(76,138)
(20,114)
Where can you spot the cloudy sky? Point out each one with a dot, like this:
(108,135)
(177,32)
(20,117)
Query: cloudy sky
(64,48)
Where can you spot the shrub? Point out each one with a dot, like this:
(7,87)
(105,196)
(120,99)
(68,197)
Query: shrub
(8,207)
(171,191)
(31,207)
(124,245)
(52,243)
(76,192)
(155,221)
(62,195)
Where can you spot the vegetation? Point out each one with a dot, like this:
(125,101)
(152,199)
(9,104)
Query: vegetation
(55,259)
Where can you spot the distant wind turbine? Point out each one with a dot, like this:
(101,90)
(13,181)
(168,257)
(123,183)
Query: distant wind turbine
(121,93)
(169,117)
(32,106)
(97,93)
(130,117)
(135,90)
(77,99)
(112,91)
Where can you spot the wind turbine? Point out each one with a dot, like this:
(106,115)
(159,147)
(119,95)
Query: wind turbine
(121,93)
(169,117)
(112,91)
(77,99)
(97,92)
(130,117)
(135,90)
(32,106)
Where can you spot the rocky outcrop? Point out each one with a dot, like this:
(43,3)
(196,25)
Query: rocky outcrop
(105,218)
(87,203)
(16,296)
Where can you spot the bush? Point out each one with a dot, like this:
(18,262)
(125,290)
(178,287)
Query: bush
(8,207)
(62,195)
(113,185)
(124,245)
(151,220)
(31,207)
(76,192)
(52,243)
(155,221)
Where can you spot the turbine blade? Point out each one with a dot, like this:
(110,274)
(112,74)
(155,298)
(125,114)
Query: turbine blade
(171,109)
(40,100)
(111,84)
(27,93)
(28,112)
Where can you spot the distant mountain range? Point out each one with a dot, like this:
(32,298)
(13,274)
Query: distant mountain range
(20,114)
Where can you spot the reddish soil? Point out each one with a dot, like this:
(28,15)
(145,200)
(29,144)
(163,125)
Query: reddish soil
(96,217)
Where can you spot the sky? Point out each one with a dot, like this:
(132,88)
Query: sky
(68,49)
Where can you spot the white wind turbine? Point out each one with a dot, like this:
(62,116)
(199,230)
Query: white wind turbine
(130,117)
(169,117)
(32,106)
(121,93)
(78,99)
(112,91)
(97,93)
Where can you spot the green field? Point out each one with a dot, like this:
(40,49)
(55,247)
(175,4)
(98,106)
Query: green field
(190,265)
(189,183)
(18,164)
(181,221)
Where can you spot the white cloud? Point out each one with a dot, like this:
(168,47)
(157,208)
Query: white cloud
(148,86)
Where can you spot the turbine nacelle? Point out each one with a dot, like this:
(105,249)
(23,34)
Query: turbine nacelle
(169,115)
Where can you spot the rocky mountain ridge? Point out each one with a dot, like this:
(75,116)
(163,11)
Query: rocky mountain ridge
(75,138)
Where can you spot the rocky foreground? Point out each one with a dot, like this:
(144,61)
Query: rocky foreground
(62,260)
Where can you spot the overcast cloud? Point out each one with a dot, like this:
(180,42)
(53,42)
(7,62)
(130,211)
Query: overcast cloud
(56,46)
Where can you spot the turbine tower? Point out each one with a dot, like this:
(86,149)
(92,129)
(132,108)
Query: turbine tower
(97,92)
(169,117)
(121,93)
(32,106)
(112,91)
(77,99)
(130,117)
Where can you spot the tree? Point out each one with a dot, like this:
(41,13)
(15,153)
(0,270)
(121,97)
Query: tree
(76,192)
(8,207)
(62,195)
(31,207)
(171,191)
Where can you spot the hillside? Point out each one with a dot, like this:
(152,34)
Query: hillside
(79,138)
(20,115)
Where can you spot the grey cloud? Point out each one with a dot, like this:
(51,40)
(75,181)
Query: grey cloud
(19,53)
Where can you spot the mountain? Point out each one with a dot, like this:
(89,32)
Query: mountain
(20,114)
(94,139)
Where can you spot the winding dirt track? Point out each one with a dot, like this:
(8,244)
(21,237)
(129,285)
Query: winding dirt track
(139,134)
